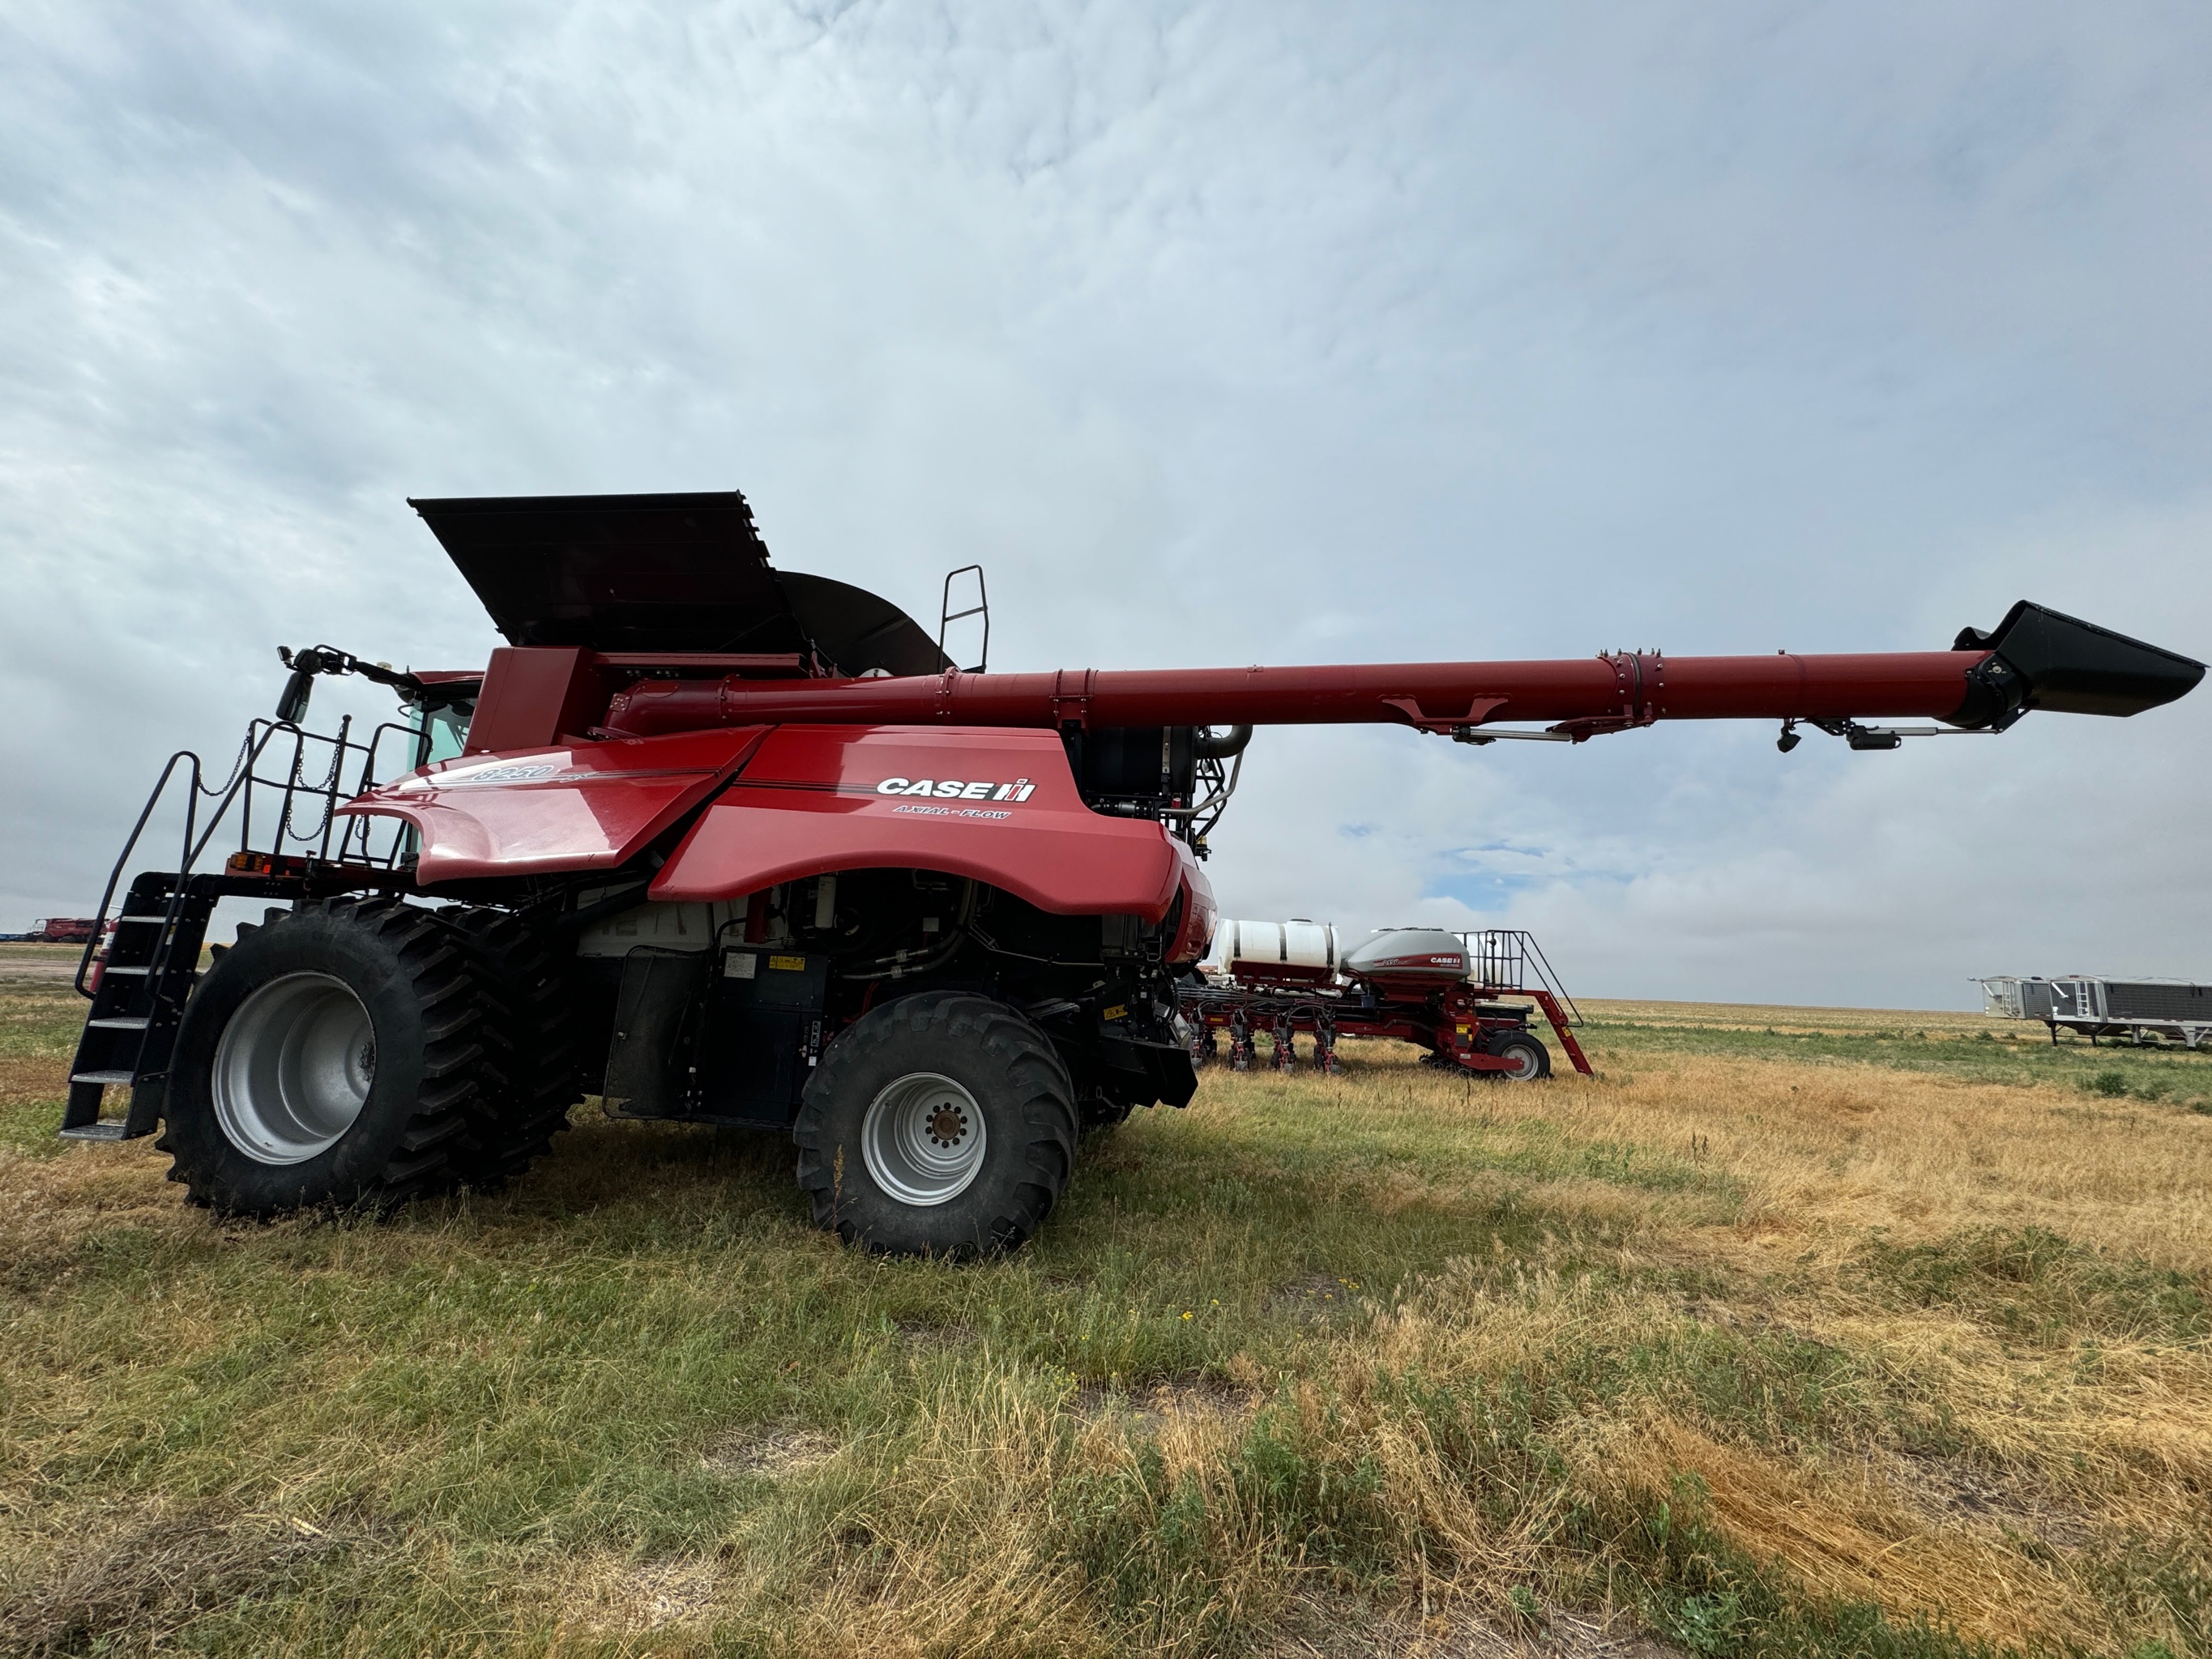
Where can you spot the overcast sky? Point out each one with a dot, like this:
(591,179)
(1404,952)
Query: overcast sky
(1220,333)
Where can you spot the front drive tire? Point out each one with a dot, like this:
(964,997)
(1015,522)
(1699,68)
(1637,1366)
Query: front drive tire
(528,1033)
(331,1058)
(942,1124)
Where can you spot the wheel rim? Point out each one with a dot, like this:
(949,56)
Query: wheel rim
(923,1139)
(1524,1062)
(294,1068)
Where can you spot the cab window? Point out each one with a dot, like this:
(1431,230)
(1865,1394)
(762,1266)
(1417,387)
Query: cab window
(443,731)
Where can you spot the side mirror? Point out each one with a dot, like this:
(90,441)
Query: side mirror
(292,707)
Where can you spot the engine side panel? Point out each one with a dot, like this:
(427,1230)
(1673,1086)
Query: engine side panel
(998,806)
(587,806)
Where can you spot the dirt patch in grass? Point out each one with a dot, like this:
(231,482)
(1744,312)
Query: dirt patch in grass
(613,1596)
(1324,1629)
(774,1452)
(1148,1411)
(1952,1492)
(923,1336)
(1317,1296)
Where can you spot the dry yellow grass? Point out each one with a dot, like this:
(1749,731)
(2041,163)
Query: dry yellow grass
(1756,1017)
(1827,1153)
(1828,1159)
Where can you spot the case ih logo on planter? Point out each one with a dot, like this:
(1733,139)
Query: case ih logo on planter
(954,789)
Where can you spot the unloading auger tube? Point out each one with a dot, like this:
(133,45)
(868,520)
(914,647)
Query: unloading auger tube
(726,844)
(2036,658)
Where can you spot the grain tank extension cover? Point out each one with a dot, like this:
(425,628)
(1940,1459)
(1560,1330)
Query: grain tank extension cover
(678,573)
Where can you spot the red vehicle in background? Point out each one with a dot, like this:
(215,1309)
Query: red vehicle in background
(725,844)
(1467,999)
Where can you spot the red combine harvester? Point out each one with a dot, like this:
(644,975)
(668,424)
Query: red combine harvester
(63,930)
(1455,995)
(728,845)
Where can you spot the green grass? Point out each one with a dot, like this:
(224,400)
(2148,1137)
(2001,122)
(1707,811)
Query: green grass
(2032,1284)
(38,1026)
(40,1021)
(1396,1318)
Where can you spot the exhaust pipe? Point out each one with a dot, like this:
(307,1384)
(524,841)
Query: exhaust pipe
(1207,744)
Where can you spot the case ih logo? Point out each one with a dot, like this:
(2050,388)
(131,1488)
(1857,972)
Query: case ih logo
(954,789)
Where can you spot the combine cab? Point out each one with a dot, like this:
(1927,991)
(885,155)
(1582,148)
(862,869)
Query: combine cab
(726,844)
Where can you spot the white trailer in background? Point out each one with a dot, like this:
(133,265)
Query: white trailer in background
(2170,1009)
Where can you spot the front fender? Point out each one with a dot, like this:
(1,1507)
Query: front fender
(588,806)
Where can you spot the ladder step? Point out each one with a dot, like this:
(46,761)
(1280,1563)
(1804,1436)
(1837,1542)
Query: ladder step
(124,968)
(154,921)
(114,1131)
(124,1022)
(99,1077)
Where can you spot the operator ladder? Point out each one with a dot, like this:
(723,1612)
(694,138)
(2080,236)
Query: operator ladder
(147,975)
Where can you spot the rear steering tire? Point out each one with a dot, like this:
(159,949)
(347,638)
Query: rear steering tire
(942,1124)
(332,1057)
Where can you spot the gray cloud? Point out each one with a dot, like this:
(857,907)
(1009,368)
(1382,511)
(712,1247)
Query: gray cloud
(1221,333)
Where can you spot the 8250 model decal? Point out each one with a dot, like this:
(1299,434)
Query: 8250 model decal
(953,789)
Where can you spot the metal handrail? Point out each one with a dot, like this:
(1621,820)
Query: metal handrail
(946,616)
(1503,955)
(237,791)
(1552,980)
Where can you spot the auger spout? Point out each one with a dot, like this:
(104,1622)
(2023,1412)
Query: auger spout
(2036,658)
